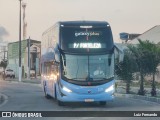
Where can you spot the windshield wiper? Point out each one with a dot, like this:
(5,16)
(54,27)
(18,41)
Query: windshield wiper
(103,78)
(82,79)
(77,79)
(99,78)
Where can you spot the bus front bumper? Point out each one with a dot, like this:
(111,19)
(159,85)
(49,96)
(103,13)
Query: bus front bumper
(74,97)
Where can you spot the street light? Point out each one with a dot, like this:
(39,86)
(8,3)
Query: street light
(20,68)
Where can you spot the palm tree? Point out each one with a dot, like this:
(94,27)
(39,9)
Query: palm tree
(152,55)
(125,69)
(138,56)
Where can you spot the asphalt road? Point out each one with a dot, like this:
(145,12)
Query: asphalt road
(30,97)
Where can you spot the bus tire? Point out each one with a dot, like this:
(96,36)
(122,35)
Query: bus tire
(55,98)
(46,95)
(60,103)
(102,102)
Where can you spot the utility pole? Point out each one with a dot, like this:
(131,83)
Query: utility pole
(28,69)
(20,67)
(4,48)
(24,21)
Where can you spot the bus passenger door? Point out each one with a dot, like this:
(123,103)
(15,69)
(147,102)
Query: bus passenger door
(54,73)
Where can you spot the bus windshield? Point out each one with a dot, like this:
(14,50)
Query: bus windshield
(82,67)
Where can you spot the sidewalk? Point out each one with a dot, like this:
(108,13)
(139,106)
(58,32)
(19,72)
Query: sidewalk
(25,80)
(134,90)
(120,92)
(3,99)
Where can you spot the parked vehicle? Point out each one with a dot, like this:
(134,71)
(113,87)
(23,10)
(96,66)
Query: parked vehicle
(9,73)
(32,73)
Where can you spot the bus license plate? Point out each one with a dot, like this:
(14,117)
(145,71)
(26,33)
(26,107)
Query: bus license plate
(89,100)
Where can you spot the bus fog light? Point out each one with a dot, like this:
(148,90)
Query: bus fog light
(66,89)
(110,88)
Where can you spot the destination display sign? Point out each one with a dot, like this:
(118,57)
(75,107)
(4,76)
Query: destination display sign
(87,45)
(85,39)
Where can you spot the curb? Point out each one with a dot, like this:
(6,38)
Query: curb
(146,98)
(25,81)
(3,99)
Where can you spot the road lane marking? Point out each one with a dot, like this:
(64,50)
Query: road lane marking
(5,99)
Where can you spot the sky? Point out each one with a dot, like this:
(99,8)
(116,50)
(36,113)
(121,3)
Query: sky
(131,16)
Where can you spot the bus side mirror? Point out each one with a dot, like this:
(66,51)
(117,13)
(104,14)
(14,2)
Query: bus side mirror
(109,61)
(119,54)
(57,57)
(57,54)
(64,61)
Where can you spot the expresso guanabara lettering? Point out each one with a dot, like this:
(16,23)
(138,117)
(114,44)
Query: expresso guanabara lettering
(85,33)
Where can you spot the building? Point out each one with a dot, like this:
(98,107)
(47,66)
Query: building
(153,35)
(13,56)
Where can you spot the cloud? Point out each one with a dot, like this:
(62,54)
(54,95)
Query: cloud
(3,32)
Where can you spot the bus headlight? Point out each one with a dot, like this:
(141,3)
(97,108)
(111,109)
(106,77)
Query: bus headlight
(110,88)
(66,89)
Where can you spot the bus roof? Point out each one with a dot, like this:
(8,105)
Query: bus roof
(78,23)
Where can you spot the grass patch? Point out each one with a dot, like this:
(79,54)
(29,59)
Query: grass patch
(147,84)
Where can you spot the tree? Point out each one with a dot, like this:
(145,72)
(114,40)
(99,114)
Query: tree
(125,69)
(152,55)
(4,65)
(147,57)
(140,58)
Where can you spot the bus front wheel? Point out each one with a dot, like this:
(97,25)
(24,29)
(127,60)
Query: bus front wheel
(60,103)
(46,95)
(102,102)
